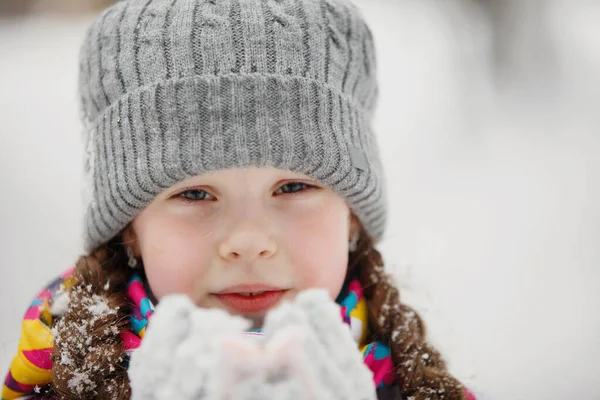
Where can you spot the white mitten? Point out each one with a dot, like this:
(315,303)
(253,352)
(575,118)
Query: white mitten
(307,352)
(182,351)
(324,357)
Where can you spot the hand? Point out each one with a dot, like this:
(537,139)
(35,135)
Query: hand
(320,351)
(181,351)
(307,352)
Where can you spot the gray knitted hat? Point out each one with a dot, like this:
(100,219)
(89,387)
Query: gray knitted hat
(171,89)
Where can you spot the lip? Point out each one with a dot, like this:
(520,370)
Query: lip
(249,288)
(257,304)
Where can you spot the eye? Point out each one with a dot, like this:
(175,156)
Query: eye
(197,195)
(294,187)
(193,195)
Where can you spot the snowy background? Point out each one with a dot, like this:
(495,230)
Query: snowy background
(490,131)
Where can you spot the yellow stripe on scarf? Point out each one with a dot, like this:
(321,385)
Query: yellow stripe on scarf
(35,335)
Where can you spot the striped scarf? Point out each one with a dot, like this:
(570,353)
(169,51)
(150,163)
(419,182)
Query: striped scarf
(353,308)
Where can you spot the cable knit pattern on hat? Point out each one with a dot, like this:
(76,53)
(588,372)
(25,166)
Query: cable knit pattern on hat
(171,89)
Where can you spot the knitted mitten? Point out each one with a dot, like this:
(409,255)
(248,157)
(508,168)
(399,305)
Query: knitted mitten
(307,352)
(324,357)
(182,350)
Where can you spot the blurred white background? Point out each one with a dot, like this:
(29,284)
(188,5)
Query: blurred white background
(489,127)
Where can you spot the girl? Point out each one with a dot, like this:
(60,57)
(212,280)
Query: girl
(230,158)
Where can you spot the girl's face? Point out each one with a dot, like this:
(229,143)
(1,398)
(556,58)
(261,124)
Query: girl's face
(252,226)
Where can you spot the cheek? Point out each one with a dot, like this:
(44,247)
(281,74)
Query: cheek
(174,258)
(319,251)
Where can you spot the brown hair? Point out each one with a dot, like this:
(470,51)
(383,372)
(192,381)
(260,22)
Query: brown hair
(421,371)
(88,354)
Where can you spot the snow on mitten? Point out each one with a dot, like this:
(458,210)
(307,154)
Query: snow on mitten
(326,358)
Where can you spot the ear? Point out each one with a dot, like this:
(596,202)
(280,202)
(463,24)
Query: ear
(354,225)
(130,239)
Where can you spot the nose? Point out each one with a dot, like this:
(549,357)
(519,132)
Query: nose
(247,245)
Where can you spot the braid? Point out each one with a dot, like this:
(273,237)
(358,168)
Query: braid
(420,369)
(88,352)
